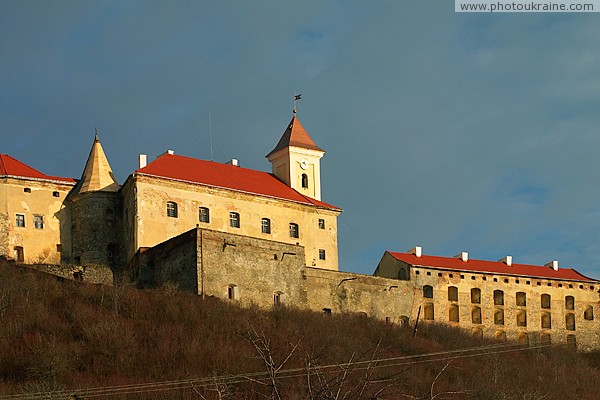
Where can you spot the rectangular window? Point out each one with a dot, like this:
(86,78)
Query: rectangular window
(38,221)
(234,220)
(56,194)
(171,209)
(18,254)
(233,292)
(321,223)
(265,225)
(20,221)
(204,214)
(321,254)
(294,230)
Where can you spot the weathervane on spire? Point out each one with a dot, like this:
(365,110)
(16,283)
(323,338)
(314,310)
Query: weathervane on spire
(296,98)
(96,139)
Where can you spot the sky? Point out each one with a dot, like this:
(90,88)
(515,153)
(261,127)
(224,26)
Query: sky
(451,131)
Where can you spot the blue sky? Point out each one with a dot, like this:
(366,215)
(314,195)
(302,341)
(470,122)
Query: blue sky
(456,132)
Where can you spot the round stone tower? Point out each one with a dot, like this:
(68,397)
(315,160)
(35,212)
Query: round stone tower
(96,213)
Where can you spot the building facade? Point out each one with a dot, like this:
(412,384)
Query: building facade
(261,238)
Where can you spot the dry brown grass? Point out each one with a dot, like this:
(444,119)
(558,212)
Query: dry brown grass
(57,334)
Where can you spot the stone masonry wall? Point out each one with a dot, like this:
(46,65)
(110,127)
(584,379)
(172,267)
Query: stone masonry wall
(258,269)
(340,292)
(98,274)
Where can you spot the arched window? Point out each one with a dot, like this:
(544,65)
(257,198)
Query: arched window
(294,230)
(304,181)
(545,338)
(570,321)
(476,315)
(428,292)
(499,316)
(524,339)
(498,298)
(546,301)
(570,302)
(588,314)
(572,341)
(171,209)
(453,313)
(476,296)
(522,318)
(428,311)
(402,274)
(546,320)
(521,299)
(452,293)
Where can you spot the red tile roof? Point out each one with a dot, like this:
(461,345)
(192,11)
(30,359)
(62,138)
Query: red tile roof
(12,167)
(186,169)
(295,135)
(492,267)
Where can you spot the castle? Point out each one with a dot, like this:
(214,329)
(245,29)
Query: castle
(267,238)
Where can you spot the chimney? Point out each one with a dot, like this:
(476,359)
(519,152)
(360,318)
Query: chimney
(417,251)
(169,152)
(553,265)
(142,160)
(463,255)
(507,260)
(234,162)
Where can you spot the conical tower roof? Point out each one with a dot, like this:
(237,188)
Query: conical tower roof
(97,175)
(295,135)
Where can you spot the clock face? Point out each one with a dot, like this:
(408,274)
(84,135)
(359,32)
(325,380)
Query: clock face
(304,163)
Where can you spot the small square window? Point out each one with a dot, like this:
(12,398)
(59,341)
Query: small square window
(59,248)
(321,223)
(451,275)
(472,278)
(428,273)
(56,194)
(484,278)
(462,277)
(439,274)
(20,220)
(495,279)
(38,221)
(27,190)
(321,254)
(505,280)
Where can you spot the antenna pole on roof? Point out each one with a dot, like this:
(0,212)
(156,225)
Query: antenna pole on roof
(210,136)
(296,98)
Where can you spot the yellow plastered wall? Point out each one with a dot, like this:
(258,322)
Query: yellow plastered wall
(147,198)
(39,245)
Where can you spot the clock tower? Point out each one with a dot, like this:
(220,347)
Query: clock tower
(296,160)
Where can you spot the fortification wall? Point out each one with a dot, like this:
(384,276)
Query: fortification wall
(341,292)
(98,274)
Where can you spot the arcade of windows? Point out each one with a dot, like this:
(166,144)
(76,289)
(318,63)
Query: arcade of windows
(520,307)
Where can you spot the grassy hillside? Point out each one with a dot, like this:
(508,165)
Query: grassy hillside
(101,342)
